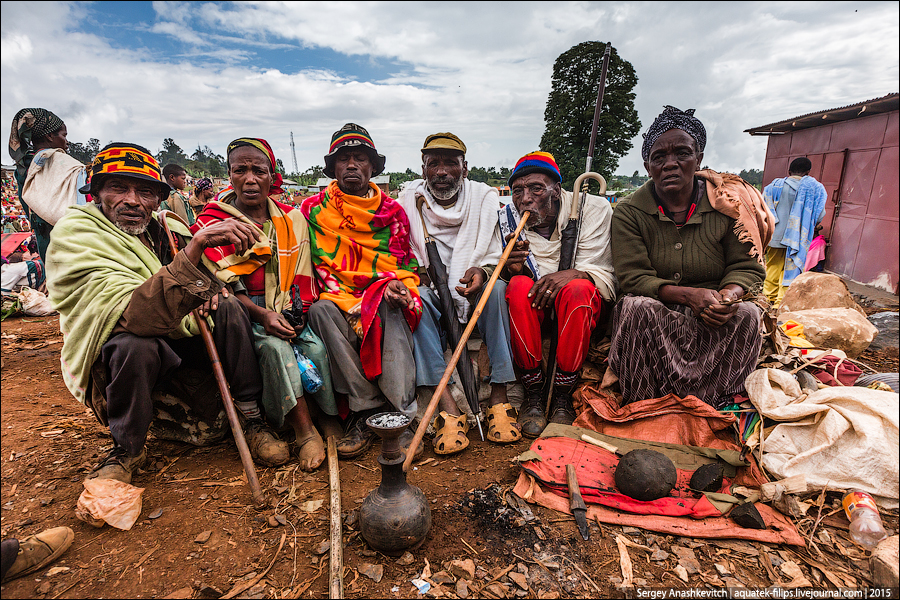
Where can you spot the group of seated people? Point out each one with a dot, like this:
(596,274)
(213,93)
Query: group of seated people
(338,278)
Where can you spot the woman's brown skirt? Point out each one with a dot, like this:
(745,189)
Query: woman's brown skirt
(659,349)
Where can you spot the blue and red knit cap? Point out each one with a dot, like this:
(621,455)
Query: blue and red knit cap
(126,160)
(352,135)
(536,162)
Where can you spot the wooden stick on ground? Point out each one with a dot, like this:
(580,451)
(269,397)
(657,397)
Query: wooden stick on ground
(451,364)
(336,552)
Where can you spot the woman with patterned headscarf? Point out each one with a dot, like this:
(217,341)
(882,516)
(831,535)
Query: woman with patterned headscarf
(202,194)
(687,245)
(47,177)
(274,281)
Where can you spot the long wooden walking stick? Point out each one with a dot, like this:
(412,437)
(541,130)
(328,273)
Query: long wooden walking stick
(259,498)
(571,233)
(451,364)
(336,552)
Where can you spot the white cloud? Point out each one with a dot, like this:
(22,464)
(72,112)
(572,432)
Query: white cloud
(481,70)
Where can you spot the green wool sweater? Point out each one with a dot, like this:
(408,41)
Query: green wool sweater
(649,251)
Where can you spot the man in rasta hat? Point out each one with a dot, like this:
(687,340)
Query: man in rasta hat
(577,295)
(125,305)
(359,242)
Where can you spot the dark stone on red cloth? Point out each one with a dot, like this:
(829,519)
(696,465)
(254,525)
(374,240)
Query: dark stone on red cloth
(645,475)
(747,516)
(708,478)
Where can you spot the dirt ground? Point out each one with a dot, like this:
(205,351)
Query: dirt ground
(50,442)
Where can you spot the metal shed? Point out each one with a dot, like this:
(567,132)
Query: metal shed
(854,153)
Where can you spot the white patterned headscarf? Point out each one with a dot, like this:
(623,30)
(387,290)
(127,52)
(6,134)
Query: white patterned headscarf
(672,118)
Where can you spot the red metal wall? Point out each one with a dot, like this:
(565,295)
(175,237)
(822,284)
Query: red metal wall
(857,162)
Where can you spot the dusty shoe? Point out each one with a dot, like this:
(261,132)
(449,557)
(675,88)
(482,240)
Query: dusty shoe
(358,436)
(265,447)
(406,439)
(561,410)
(119,465)
(531,415)
(38,551)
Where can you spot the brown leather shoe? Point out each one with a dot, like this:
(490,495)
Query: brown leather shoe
(265,447)
(38,551)
(531,414)
(561,411)
(358,437)
(119,465)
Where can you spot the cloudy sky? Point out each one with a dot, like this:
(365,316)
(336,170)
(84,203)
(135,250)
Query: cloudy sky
(210,72)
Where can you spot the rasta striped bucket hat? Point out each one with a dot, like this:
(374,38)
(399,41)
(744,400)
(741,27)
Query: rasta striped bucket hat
(352,135)
(127,160)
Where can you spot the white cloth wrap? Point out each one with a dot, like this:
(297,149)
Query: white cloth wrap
(594,255)
(51,185)
(466,234)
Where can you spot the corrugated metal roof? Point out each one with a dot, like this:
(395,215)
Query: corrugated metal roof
(865,108)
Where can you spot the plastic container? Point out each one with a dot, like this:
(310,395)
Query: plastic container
(309,373)
(866,528)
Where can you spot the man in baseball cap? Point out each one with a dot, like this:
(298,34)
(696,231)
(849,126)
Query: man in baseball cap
(125,306)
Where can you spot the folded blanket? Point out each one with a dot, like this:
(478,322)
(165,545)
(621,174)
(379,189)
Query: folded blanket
(93,267)
(734,197)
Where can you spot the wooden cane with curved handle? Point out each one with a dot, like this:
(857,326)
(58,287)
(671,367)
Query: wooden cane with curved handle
(432,405)
(259,497)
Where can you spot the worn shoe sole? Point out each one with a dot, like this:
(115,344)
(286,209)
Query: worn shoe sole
(354,452)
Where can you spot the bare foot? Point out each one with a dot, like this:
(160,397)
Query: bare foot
(310,451)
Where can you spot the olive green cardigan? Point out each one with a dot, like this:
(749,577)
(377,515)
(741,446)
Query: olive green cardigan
(649,251)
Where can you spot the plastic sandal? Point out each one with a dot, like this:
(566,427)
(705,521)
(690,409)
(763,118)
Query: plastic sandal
(451,433)
(501,420)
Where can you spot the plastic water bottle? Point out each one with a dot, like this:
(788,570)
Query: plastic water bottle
(309,374)
(866,528)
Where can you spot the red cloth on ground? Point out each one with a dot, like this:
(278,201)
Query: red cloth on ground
(847,372)
(596,469)
(578,305)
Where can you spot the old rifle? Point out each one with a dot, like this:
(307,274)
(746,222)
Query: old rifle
(569,236)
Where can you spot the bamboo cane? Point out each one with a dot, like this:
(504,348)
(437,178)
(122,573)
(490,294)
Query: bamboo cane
(259,498)
(336,552)
(432,405)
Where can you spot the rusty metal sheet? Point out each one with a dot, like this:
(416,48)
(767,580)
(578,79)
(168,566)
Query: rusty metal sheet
(811,141)
(840,257)
(775,167)
(879,255)
(779,146)
(858,134)
(892,135)
(885,199)
(859,176)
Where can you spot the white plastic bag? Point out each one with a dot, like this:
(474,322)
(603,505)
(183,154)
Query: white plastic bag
(35,304)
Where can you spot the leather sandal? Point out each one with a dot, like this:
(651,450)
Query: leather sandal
(501,421)
(451,433)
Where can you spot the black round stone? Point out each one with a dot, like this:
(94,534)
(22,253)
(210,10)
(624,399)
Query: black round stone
(645,475)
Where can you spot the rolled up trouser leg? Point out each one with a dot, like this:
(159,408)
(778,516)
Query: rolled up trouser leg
(135,364)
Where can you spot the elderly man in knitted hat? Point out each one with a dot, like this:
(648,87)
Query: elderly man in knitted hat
(576,295)
(461,217)
(369,306)
(125,306)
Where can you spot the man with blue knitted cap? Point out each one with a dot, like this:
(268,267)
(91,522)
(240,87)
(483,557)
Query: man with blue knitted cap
(577,295)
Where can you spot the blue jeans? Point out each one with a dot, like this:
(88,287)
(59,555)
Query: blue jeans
(430,339)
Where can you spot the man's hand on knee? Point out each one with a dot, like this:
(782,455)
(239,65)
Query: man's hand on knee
(212,305)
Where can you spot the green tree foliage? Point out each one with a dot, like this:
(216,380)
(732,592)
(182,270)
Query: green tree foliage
(753,177)
(570,111)
(205,163)
(84,153)
(398,179)
(171,153)
(310,176)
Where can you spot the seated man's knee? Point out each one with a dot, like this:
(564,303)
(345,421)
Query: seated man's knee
(126,346)
(579,289)
(517,290)
(231,311)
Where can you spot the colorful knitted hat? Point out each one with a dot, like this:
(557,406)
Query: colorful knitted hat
(128,160)
(352,135)
(536,162)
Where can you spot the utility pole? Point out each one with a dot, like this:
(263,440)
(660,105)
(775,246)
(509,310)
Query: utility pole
(294,155)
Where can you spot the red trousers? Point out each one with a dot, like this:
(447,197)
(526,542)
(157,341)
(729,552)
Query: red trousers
(578,305)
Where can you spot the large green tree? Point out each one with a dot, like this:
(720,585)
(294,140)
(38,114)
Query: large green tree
(171,153)
(570,111)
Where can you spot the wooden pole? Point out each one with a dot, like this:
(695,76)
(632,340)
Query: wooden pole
(432,405)
(259,498)
(336,553)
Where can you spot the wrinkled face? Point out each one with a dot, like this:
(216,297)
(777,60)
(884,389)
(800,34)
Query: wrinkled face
(206,195)
(178,181)
(58,139)
(129,202)
(353,170)
(673,161)
(535,192)
(251,177)
(444,172)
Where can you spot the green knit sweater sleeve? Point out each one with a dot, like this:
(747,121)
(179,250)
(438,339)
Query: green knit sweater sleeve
(740,268)
(631,258)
